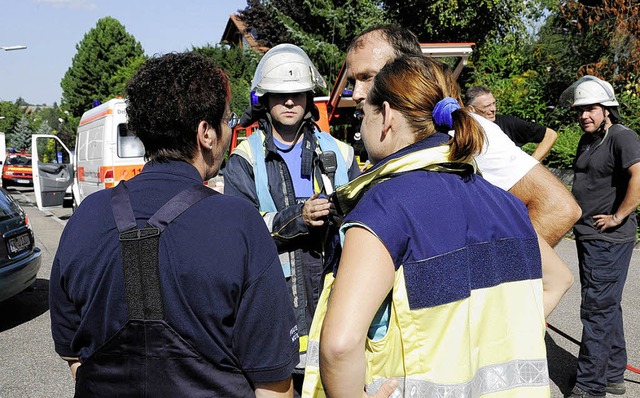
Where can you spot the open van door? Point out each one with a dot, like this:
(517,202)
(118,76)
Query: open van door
(3,149)
(52,169)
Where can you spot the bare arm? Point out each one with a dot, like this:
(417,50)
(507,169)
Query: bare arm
(365,277)
(629,203)
(552,208)
(278,389)
(556,277)
(553,211)
(545,145)
(74,363)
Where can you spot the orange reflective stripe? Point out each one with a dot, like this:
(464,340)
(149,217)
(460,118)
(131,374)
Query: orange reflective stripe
(119,173)
(96,117)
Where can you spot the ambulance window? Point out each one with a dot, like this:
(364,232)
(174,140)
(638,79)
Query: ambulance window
(94,144)
(129,146)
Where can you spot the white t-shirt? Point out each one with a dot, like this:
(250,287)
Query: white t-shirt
(501,162)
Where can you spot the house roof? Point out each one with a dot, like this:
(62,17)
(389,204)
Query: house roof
(236,33)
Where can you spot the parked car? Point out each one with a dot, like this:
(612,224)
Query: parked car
(17,171)
(19,256)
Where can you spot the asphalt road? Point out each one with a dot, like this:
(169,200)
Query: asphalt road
(30,367)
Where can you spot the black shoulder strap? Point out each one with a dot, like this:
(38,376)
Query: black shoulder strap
(140,247)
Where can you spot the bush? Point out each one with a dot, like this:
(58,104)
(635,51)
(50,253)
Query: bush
(564,151)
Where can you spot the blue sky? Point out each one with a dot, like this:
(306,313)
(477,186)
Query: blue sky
(52,28)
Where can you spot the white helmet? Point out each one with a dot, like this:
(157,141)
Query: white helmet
(590,90)
(286,69)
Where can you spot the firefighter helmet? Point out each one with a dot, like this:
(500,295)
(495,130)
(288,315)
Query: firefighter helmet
(286,68)
(590,90)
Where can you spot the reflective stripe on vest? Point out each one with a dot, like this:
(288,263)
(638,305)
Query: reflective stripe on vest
(265,201)
(445,351)
(488,380)
(256,145)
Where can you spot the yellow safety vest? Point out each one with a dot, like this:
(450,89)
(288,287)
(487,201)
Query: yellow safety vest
(488,345)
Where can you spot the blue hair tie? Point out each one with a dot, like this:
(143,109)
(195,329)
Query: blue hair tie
(442,113)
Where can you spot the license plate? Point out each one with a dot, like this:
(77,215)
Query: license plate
(19,243)
(22,181)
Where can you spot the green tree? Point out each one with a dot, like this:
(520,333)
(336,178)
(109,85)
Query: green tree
(103,52)
(11,114)
(21,136)
(512,69)
(323,28)
(44,129)
(120,78)
(21,102)
(463,20)
(239,64)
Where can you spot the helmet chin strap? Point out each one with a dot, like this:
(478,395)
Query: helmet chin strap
(307,117)
(602,128)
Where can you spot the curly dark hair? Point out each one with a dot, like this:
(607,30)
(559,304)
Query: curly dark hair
(169,96)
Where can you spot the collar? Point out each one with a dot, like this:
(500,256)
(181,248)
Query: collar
(430,154)
(309,144)
(175,167)
(431,141)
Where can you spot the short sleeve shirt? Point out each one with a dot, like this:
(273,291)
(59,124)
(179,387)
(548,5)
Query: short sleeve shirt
(501,162)
(221,281)
(601,180)
(520,131)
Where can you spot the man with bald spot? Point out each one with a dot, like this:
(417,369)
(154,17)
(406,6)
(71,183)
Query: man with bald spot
(552,208)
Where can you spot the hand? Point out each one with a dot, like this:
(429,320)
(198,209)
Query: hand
(386,390)
(315,211)
(605,221)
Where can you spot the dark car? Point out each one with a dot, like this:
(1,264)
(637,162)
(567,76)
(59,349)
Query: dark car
(19,256)
(17,171)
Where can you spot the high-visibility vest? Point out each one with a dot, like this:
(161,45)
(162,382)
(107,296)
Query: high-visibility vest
(255,144)
(452,349)
(489,344)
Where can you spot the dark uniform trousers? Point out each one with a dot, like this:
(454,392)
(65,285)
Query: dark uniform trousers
(603,273)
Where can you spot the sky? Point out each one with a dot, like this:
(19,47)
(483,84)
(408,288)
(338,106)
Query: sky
(51,29)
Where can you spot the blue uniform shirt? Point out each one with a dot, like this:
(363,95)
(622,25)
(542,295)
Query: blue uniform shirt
(220,276)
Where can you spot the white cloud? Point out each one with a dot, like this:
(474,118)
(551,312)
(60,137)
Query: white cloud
(73,4)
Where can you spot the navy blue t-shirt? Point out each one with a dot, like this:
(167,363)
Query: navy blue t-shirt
(220,277)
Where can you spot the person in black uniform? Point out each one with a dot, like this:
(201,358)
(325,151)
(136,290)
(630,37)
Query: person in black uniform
(481,101)
(606,185)
(162,287)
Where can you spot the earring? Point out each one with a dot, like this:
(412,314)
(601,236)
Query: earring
(210,147)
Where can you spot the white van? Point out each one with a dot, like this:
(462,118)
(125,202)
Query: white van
(106,153)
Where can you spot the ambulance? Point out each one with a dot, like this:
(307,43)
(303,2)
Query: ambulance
(106,152)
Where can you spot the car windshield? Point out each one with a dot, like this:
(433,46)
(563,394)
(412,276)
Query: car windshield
(19,160)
